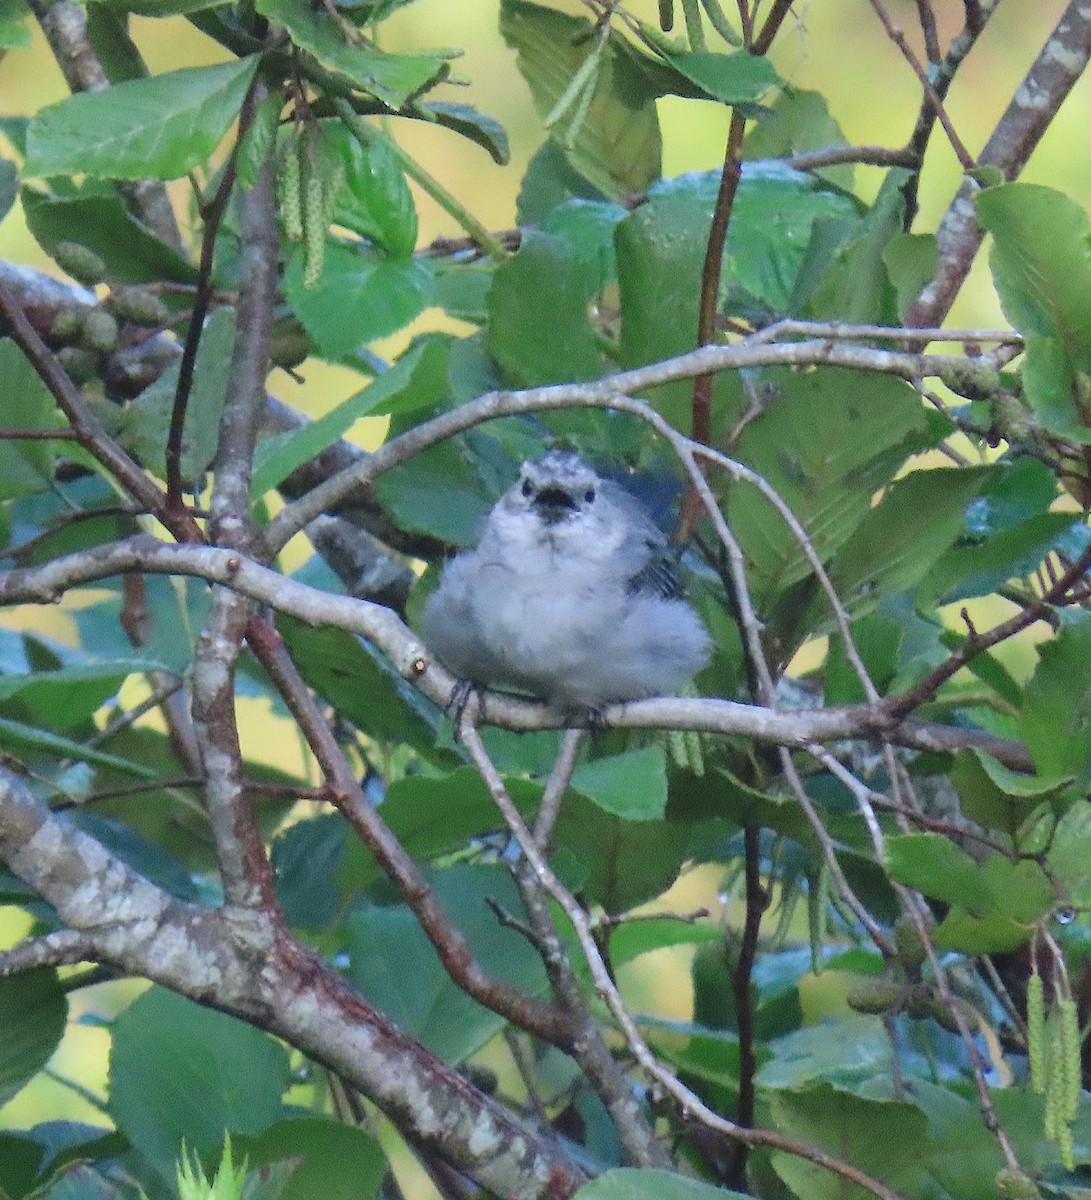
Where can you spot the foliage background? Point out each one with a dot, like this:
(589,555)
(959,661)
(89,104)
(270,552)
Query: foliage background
(871,93)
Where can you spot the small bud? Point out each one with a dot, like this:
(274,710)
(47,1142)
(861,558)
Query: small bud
(1013,1184)
(907,943)
(876,996)
(67,325)
(99,331)
(139,306)
(80,262)
(81,365)
(920,1002)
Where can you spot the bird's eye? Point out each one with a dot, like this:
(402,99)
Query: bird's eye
(589,495)
(528,488)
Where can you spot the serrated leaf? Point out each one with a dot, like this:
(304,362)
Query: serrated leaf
(25,467)
(67,696)
(1041,262)
(362,297)
(416,379)
(547,275)
(391,78)
(617,147)
(799,121)
(898,540)
(331,1159)
(359,684)
(646,1183)
(737,78)
(143,427)
(478,127)
(33,1011)
(31,737)
(179,1071)
(1055,721)
(375,201)
(396,967)
(143,129)
(826,442)
(632,785)
(96,217)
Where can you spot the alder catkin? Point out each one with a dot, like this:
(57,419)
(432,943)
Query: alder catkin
(314,229)
(1069,1020)
(291,189)
(1036,1033)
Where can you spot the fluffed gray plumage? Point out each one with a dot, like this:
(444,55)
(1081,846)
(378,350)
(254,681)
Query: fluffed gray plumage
(571,595)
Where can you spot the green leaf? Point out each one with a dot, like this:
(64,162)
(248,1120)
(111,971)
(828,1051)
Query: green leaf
(848,1051)
(157,8)
(25,467)
(433,816)
(143,426)
(1055,721)
(145,129)
(632,785)
(799,121)
(1051,388)
(934,865)
(826,441)
(14,30)
(1068,860)
(548,275)
(359,684)
(994,903)
(617,147)
(978,568)
(887,1139)
(179,1071)
(479,127)
(995,796)
(375,201)
(417,379)
(33,1012)
(396,967)
(661,250)
(306,858)
(9,185)
(335,1161)
(625,862)
(550,180)
(437,492)
(898,540)
(910,261)
(855,286)
(20,1156)
(362,297)
(30,737)
(737,78)
(68,696)
(96,217)
(1041,263)
(647,1183)
(108,34)
(391,78)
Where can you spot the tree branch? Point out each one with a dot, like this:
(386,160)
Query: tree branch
(253,970)
(411,658)
(1061,62)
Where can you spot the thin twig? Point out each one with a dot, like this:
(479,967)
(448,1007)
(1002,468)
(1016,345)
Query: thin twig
(895,34)
(691,1104)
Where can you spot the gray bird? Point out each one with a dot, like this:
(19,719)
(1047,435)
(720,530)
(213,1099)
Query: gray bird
(571,595)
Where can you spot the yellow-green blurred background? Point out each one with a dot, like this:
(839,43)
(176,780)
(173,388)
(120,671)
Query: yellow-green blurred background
(836,47)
